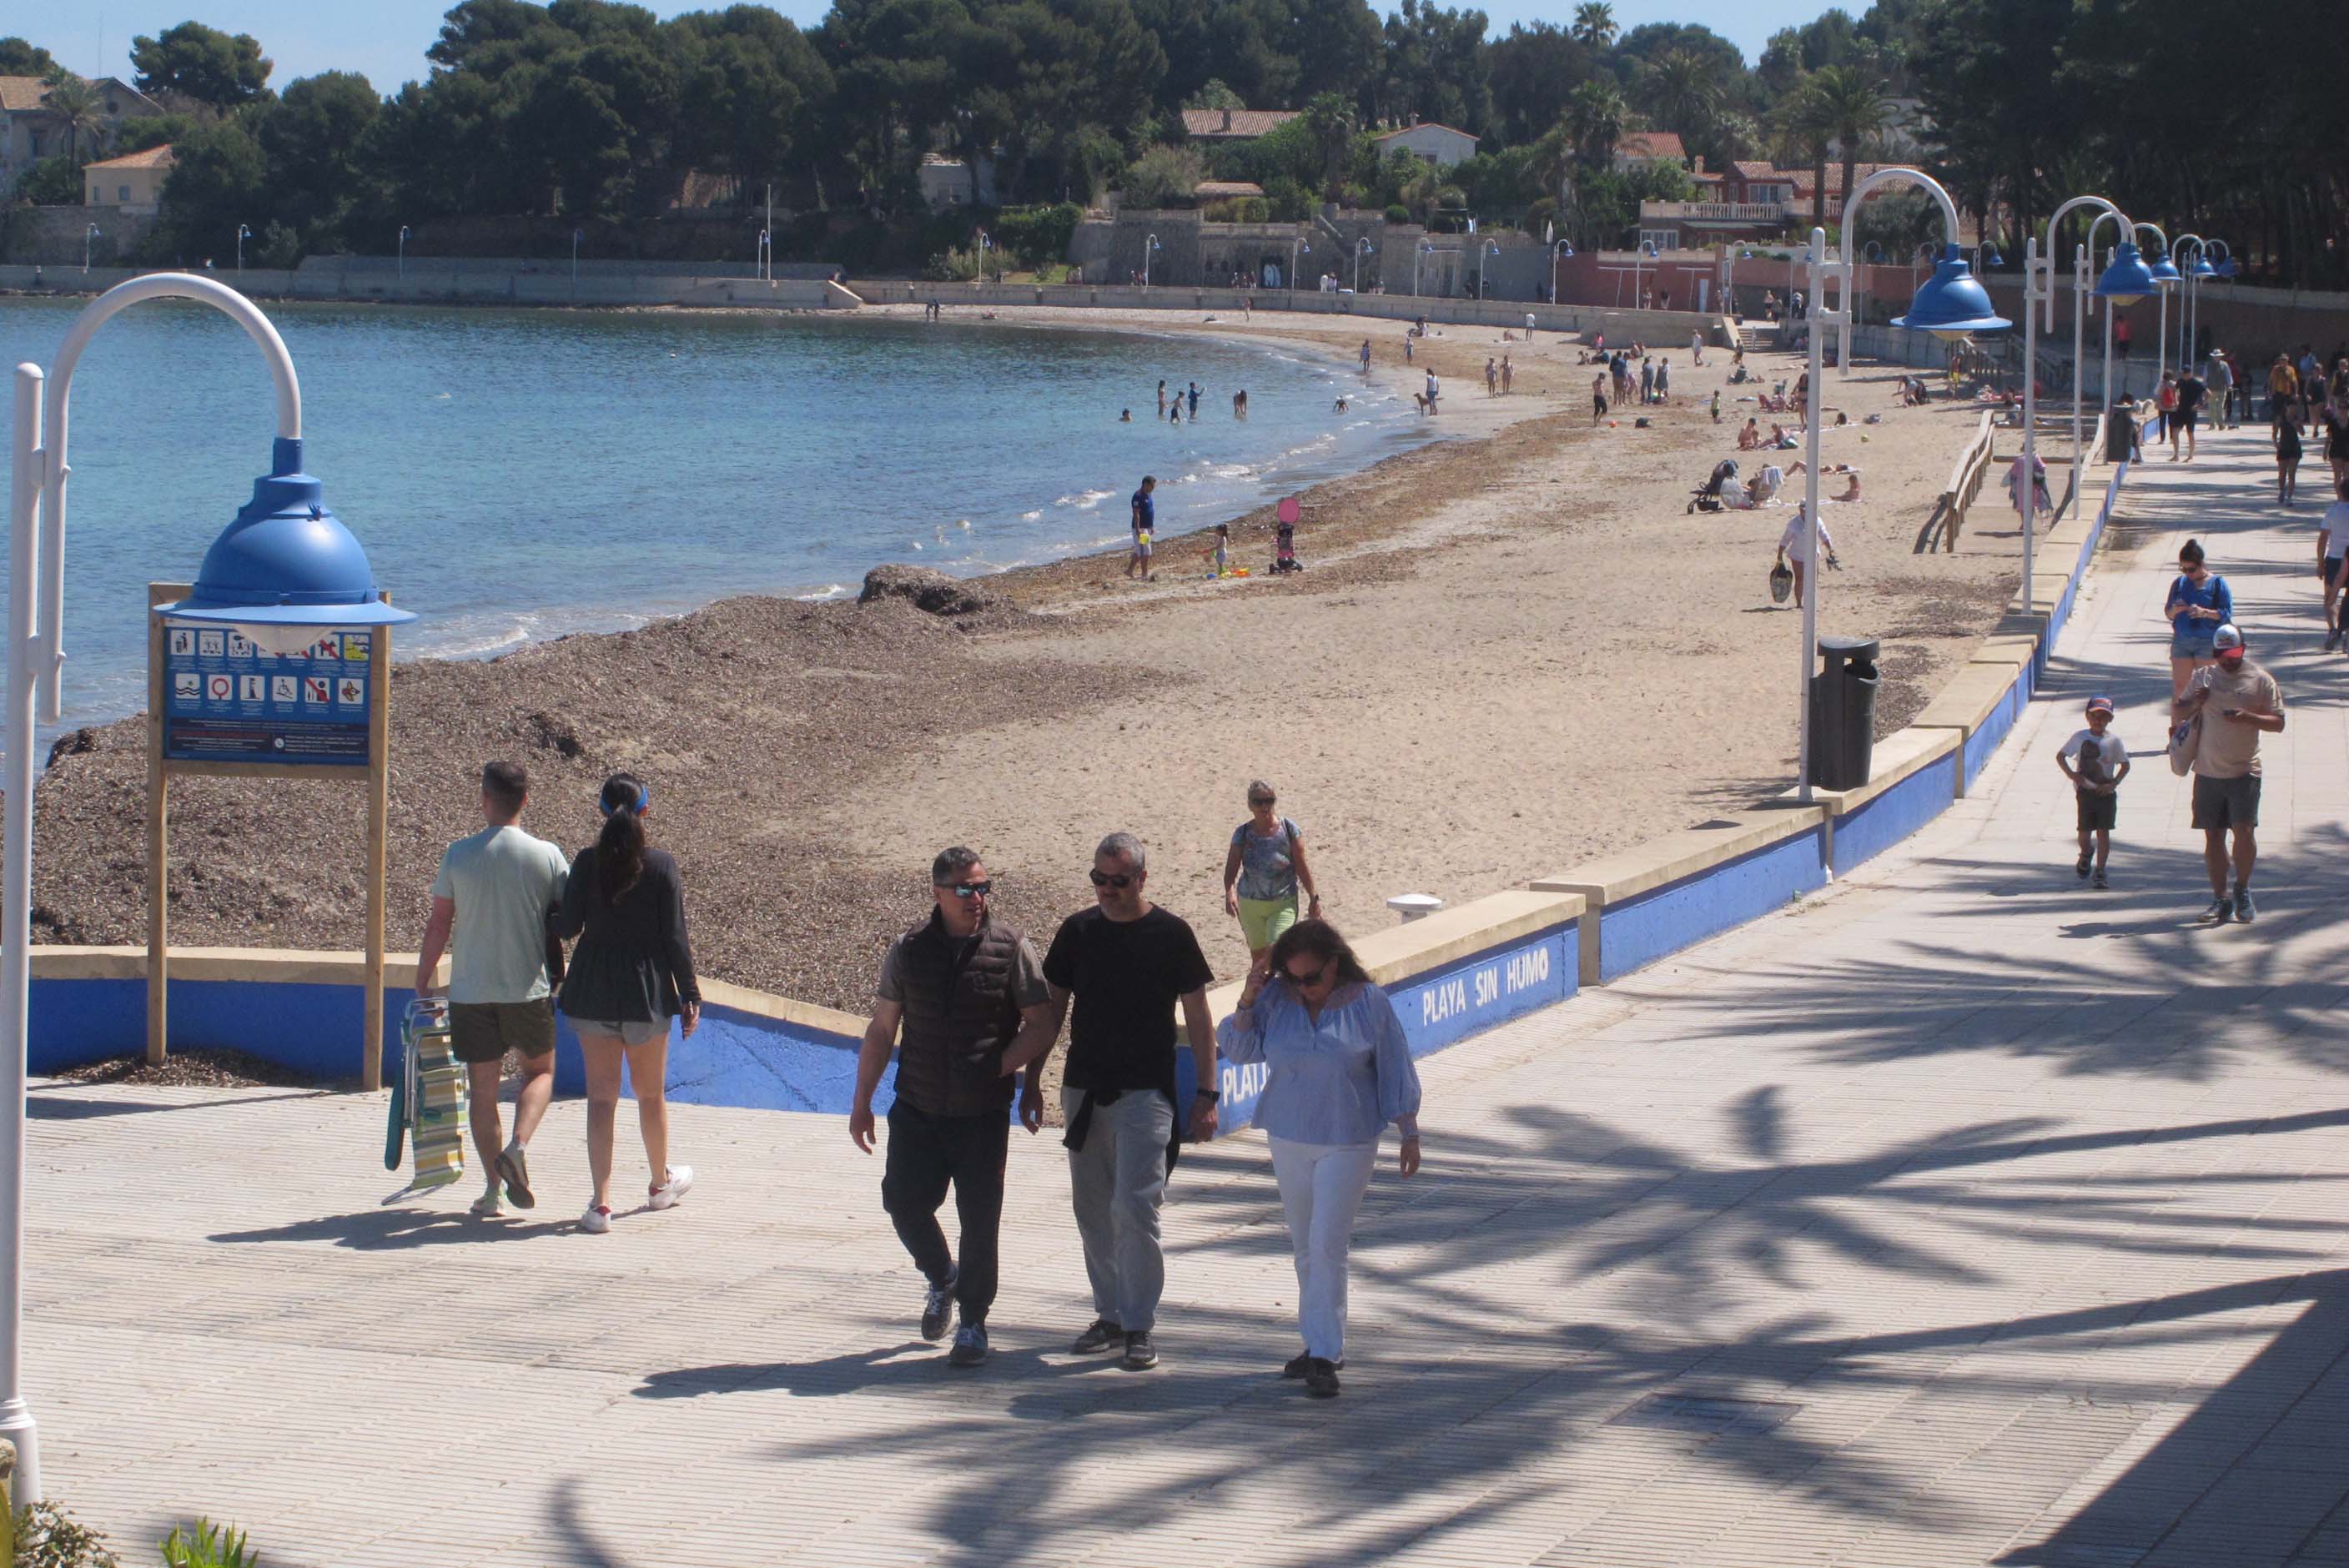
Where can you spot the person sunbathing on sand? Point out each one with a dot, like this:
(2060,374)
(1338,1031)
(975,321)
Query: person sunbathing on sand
(1749,437)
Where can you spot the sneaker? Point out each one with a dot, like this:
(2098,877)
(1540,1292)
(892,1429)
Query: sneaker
(969,1345)
(1300,1365)
(2083,865)
(2331,639)
(516,1169)
(1103,1335)
(2244,910)
(1320,1378)
(486,1207)
(596,1220)
(1141,1354)
(938,1308)
(664,1194)
(2098,879)
(2220,908)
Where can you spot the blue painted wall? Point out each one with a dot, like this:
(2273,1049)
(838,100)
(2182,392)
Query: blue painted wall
(1892,816)
(1663,919)
(1991,732)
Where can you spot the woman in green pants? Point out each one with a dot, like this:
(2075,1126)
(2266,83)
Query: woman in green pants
(1263,872)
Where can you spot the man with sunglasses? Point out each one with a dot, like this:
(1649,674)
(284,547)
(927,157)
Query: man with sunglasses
(970,999)
(1127,962)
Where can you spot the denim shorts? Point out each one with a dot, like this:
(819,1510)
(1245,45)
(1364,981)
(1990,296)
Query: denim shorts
(2192,645)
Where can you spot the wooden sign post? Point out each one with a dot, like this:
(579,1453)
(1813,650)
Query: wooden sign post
(220,706)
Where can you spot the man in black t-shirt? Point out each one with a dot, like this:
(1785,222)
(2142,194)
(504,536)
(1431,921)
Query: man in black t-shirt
(1127,962)
(2192,390)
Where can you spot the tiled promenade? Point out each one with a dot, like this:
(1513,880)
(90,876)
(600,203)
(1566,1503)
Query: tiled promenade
(1962,1216)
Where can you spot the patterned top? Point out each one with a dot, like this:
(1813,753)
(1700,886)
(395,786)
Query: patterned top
(1268,863)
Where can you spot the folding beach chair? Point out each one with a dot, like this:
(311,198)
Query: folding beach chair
(428,1104)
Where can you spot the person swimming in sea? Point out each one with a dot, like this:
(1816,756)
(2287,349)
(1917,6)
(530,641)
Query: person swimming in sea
(1125,415)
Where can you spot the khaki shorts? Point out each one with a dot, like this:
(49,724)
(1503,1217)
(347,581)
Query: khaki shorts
(486,1031)
(630,1032)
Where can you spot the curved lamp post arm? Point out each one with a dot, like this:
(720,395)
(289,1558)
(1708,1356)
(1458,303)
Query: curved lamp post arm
(2055,221)
(1859,193)
(49,606)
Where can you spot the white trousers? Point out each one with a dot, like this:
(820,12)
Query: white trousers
(1321,1188)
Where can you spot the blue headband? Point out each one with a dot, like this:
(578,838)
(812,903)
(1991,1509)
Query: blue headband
(644,802)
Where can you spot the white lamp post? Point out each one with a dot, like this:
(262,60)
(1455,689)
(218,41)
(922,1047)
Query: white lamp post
(2193,273)
(1951,305)
(403,250)
(1149,249)
(1297,247)
(1646,248)
(242,234)
(576,235)
(1490,248)
(2165,277)
(88,238)
(1362,249)
(766,262)
(2079,312)
(1561,251)
(295,568)
(986,248)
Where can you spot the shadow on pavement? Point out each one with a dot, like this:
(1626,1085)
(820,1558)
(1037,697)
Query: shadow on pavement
(386,1230)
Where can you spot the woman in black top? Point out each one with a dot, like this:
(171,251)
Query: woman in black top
(631,973)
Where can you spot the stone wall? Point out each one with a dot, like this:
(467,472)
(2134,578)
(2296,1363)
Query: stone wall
(52,236)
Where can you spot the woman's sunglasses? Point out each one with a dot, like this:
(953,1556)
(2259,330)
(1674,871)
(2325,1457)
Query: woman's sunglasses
(1260,801)
(1307,982)
(1123,880)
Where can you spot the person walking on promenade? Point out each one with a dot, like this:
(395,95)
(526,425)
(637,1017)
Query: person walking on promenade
(2312,384)
(1263,870)
(1145,524)
(2335,422)
(1128,963)
(2284,393)
(2192,392)
(1338,1072)
(2285,434)
(2095,762)
(2199,603)
(2332,547)
(968,992)
(497,888)
(2237,701)
(2121,337)
(2165,407)
(2220,377)
(630,975)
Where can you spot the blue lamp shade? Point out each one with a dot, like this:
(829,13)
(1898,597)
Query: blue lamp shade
(2163,270)
(2229,267)
(285,562)
(2201,268)
(2127,280)
(1953,304)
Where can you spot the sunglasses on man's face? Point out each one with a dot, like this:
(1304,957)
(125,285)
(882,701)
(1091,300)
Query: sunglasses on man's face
(969,890)
(1103,880)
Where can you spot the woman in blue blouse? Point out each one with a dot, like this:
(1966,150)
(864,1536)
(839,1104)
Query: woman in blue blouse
(2198,605)
(1338,1071)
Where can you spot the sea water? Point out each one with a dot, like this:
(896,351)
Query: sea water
(519,474)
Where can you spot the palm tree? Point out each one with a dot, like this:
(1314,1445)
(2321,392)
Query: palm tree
(1597,117)
(1594,25)
(1852,108)
(82,109)
(1805,124)
(1682,91)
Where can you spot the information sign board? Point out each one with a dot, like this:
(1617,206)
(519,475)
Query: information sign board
(225,699)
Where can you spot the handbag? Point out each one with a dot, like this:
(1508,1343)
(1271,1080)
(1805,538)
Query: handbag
(1782,583)
(2185,742)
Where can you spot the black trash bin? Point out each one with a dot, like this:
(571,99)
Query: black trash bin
(2120,434)
(1843,712)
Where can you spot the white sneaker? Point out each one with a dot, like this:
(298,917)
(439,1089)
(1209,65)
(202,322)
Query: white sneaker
(596,1220)
(488,1206)
(681,1182)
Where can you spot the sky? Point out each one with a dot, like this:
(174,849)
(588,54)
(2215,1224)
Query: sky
(385,39)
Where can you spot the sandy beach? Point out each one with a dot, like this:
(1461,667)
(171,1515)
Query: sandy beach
(1512,650)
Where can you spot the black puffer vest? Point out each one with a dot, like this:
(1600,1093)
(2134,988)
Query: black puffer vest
(958,1020)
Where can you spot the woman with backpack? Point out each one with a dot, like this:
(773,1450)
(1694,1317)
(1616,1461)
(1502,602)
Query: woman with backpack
(1263,870)
(2198,605)
(631,973)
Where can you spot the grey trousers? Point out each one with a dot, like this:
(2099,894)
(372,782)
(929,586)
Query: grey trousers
(1116,1183)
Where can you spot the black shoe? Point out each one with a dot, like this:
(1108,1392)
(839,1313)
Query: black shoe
(1103,1335)
(1320,1378)
(2220,908)
(1141,1354)
(516,1169)
(2081,868)
(938,1308)
(2244,912)
(1298,1364)
(2332,640)
(969,1345)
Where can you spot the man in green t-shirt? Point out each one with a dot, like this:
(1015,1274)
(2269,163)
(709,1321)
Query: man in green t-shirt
(495,887)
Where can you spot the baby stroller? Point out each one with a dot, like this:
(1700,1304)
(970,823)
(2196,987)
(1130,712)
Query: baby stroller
(1707,496)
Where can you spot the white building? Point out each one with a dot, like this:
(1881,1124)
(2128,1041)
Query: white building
(1439,144)
(946,182)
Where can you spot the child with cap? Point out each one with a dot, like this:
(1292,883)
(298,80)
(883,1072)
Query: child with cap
(2095,762)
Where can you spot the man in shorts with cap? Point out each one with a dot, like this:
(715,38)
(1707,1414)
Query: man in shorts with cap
(495,887)
(2095,762)
(2238,701)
